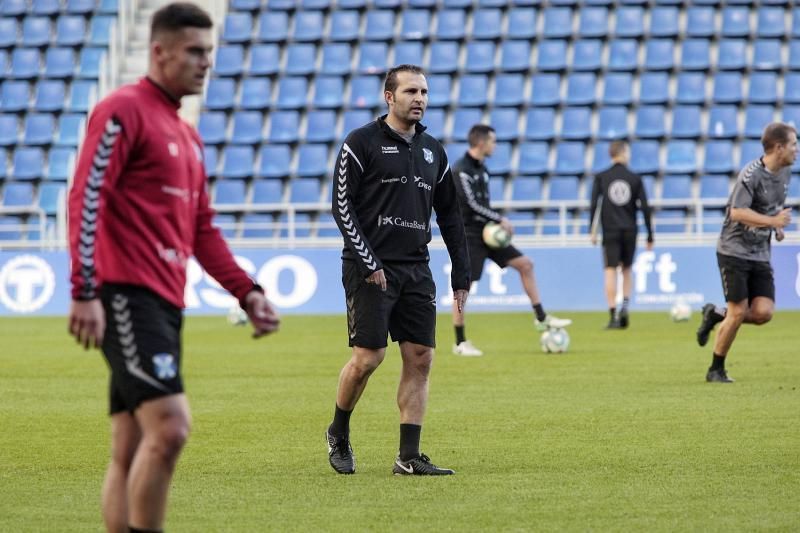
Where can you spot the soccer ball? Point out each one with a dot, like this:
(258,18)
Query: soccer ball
(680,312)
(237,316)
(554,341)
(495,236)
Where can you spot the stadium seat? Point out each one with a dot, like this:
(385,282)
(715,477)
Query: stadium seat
(480,57)
(302,225)
(379,26)
(681,157)
(659,54)
(317,4)
(771,22)
(83,95)
(526,189)
(540,123)
(35,31)
(727,88)
(515,56)
(557,23)
(226,223)
(570,158)
(46,7)
(451,25)
(500,162)
(415,24)
(321,126)
(14,96)
(3,163)
(677,187)
(284,127)
(719,157)
(38,129)
(49,96)
(505,122)
(245,5)
(732,54)
(100,31)
(49,196)
(212,126)
(220,94)
(563,188)
(521,23)
(714,186)
(71,128)
(790,115)
(576,123)
(791,88)
(365,92)
(18,195)
(13,8)
(735,21)
(237,162)
(523,221)
(546,90)
(308,26)
(552,55)
(650,122)
(312,160)
(265,60)
(455,150)
(336,59)
(612,123)
(748,151)
(258,226)
(408,53)
(700,21)
(443,57)
(210,160)
(534,160)
(763,88)
(372,58)
(587,55)
(292,93)
(756,119)
(487,23)
(722,122)
(326,226)
(695,54)
(630,22)
(593,22)
(439,90)
(8,32)
(664,21)
(301,59)
(274,162)
(581,89)
(60,163)
(645,157)
(230,60)
(435,122)
(28,164)
(344,25)
(601,160)
(473,90)
(767,55)
(230,192)
(273,26)
(9,130)
(304,190)
(237,28)
(617,89)
(623,55)
(70,30)
(59,63)
(25,63)
(670,221)
(509,90)
(256,93)
(463,120)
(81,7)
(653,88)
(691,88)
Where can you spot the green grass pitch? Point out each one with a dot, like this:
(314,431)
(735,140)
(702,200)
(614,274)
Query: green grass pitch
(620,434)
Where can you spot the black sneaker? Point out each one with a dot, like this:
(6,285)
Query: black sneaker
(718,376)
(710,318)
(419,466)
(340,454)
(623,318)
(614,323)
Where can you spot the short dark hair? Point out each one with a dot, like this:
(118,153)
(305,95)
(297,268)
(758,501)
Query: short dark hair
(616,148)
(478,134)
(390,84)
(775,134)
(178,15)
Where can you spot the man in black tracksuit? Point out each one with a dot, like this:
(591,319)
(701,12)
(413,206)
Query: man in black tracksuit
(472,182)
(616,195)
(389,175)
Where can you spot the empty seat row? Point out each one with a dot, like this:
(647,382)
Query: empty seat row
(59,63)
(40,32)
(30,163)
(78,96)
(15,8)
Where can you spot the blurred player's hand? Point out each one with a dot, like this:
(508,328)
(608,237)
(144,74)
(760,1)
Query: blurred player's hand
(779,234)
(783,218)
(506,225)
(87,322)
(378,278)
(262,315)
(594,239)
(460,298)
(650,245)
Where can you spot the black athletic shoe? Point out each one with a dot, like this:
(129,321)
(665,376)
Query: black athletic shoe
(419,466)
(718,376)
(340,454)
(614,323)
(623,318)
(709,319)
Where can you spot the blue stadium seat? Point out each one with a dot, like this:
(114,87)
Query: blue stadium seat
(3,163)
(304,190)
(9,130)
(81,7)
(521,23)
(630,22)
(220,94)
(653,88)
(380,25)
(570,158)
(13,8)
(546,90)
(49,96)
(750,150)
(274,162)
(326,226)
(473,90)
(612,123)
(308,26)
(230,192)
(756,119)
(273,26)
(46,7)
(735,21)
(415,24)
(302,224)
(686,122)
(645,157)
(664,21)
(659,54)
(791,88)
(212,126)
(593,22)
(210,160)
(576,123)
(650,122)
(8,32)
(670,221)
(563,188)
(700,21)
(373,58)
(677,187)
(540,123)
(83,95)
(439,90)
(245,5)
(771,22)
(59,63)
(435,122)
(321,126)
(732,54)
(691,88)
(523,222)
(18,195)
(92,62)
(284,127)
(557,23)
(292,93)
(258,225)
(345,25)
(722,122)
(505,122)
(443,57)
(451,25)
(35,31)
(587,55)
(767,55)
(714,186)
(247,126)
(727,88)
(790,115)
(500,162)
(38,129)
(14,96)
(71,127)
(28,164)
(455,150)
(695,54)
(312,160)
(226,223)
(623,55)
(25,63)
(617,89)
(229,61)
(509,90)
(463,120)
(265,60)
(336,59)
(515,56)
(487,23)
(70,30)
(763,88)
(497,186)
(552,55)
(60,163)
(480,57)
(237,162)
(237,28)
(681,157)
(365,92)
(317,4)
(581,88)
(408,53)
(719,157)
(601,159)
(100,31)
(49,195)
(301,59)
(534,160)
(256,93)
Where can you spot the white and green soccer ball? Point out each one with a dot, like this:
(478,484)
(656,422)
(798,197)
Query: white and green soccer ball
(555,340)
(495,236)
(680,312)
(237,316)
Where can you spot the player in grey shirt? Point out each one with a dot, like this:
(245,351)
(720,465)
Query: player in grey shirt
(754,211)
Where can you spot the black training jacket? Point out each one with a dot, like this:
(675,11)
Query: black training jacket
(472,183)
(622,192)
(383,192)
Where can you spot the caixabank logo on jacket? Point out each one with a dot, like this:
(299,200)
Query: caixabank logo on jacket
(390,220)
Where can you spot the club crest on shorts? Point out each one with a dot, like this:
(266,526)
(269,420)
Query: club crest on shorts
(164,365)
(428,155)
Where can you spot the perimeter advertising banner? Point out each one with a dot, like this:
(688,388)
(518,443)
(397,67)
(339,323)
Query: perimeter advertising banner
(309,281)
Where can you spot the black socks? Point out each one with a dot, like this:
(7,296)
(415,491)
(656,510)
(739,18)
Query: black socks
(340,427)
(718,363)
(539,310)
(460,334)
(409,441)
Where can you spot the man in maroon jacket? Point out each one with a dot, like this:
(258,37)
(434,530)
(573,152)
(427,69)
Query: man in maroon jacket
(138,209)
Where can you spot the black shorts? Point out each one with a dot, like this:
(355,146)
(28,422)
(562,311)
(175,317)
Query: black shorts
(407,309)
(619,247)
(479,252)
(743,279)
(142,345)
